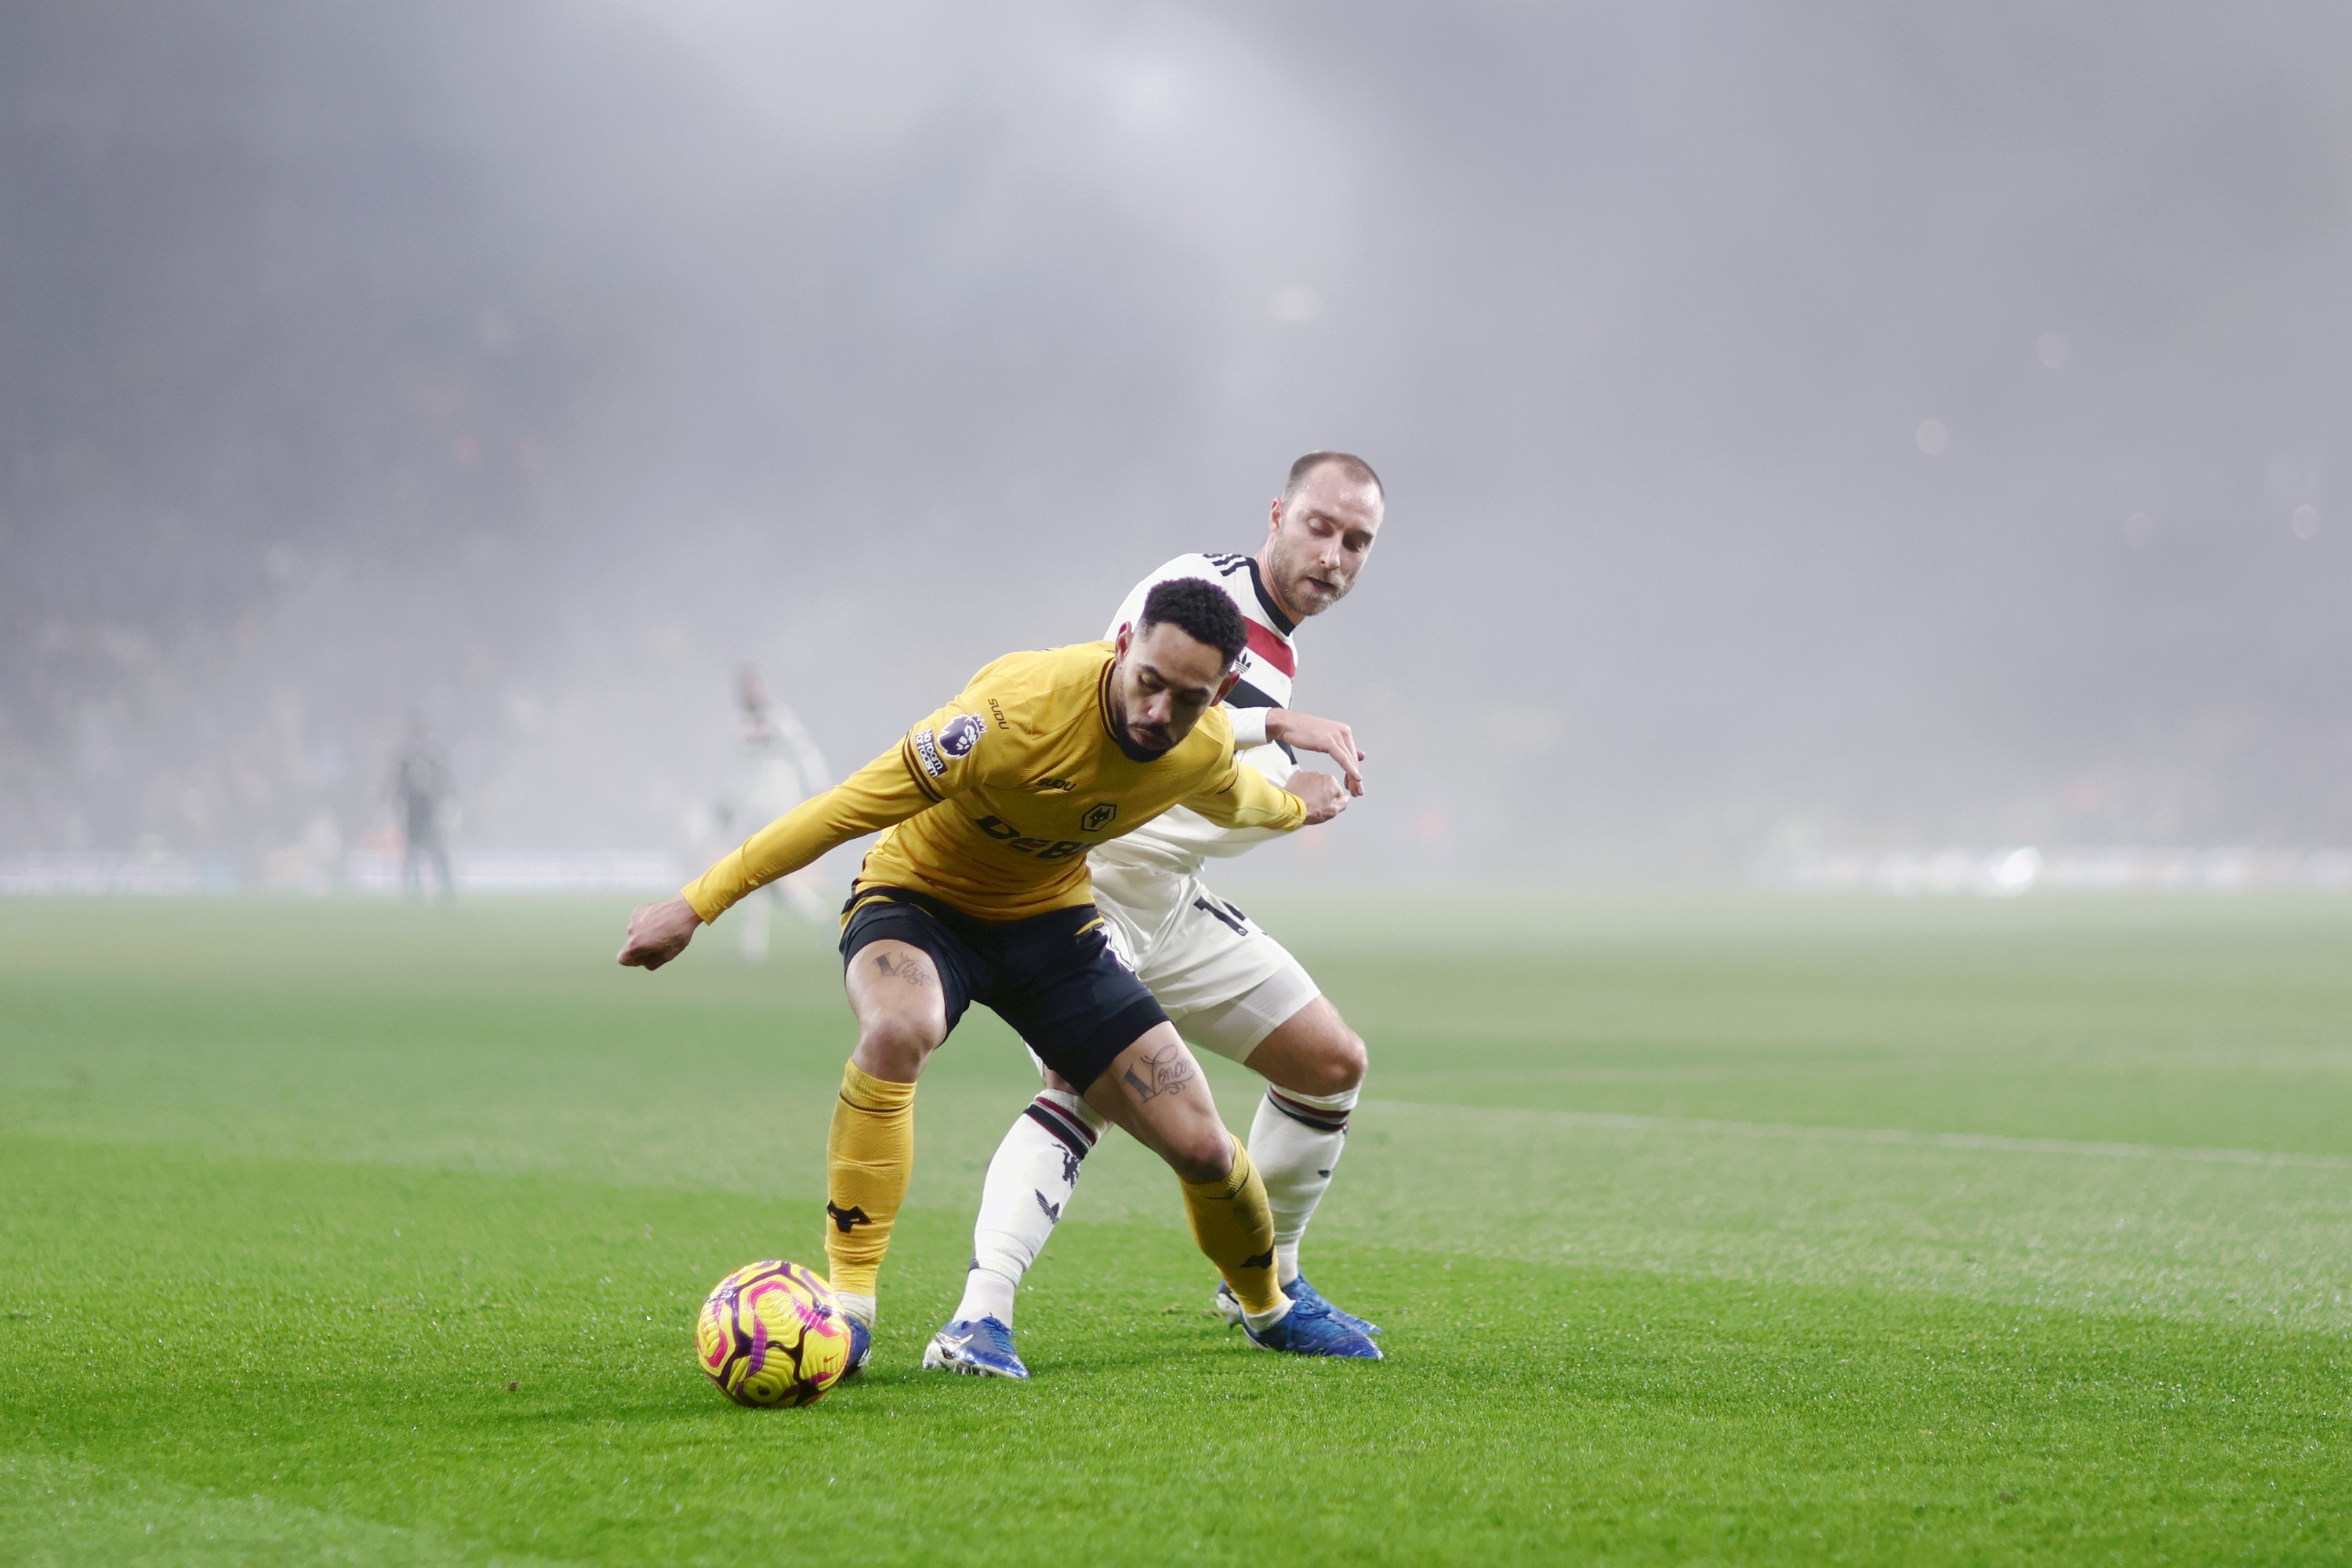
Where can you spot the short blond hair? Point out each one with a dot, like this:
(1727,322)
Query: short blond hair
(1347,463)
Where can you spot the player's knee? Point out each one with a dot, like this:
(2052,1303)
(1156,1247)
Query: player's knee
(1201,1154)
(1338,1067)
(893,1047)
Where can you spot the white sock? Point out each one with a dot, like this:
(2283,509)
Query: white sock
(858,1307)
(1028,1188)
(1261,1322)
(1295,1142)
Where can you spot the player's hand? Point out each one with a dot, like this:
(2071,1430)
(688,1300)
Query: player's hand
(659,933)
(1321,792)
(1305,733)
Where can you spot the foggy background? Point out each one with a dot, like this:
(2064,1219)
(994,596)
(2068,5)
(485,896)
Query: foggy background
(1803,423)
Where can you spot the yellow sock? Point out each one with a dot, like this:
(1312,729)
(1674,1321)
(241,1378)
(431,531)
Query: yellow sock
(1234,1225)
(868,1157)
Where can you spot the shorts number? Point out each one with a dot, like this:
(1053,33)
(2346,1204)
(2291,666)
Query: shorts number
(1225,914)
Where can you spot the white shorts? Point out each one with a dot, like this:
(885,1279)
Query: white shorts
(1225,984)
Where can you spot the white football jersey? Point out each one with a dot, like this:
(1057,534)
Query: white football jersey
(1179,840)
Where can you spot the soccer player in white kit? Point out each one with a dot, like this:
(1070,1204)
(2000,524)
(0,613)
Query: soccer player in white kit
(1228,987)
(782,768)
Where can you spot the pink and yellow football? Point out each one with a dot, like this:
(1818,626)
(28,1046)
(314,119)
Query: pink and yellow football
(772,1333)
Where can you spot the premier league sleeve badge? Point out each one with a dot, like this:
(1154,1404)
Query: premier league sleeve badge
(960,734)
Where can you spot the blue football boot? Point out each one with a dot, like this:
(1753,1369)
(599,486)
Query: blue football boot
(1300,1291)
(861,1347)
(981,1348)
(1303,1293)
(1313,1330)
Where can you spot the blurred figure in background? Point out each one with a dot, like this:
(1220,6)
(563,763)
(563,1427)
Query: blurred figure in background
(421,790)
(782,768)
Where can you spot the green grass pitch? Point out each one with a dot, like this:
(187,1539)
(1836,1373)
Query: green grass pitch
(1752,1230)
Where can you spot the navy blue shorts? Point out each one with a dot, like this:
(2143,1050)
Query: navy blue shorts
(1053,977)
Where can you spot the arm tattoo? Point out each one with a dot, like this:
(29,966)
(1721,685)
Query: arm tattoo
(1165,1071)
(905,969)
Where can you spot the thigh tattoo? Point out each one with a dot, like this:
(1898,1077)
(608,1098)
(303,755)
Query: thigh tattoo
(1165,1071)
(908,969)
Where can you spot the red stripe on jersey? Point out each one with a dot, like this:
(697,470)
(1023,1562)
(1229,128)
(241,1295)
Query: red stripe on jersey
(1269,647)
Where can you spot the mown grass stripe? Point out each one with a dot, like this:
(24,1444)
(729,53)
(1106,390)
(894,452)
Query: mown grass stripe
(1995,1143)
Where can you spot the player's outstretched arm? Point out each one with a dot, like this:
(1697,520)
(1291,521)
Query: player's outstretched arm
(1244,797)
(882,793)
(1305,733)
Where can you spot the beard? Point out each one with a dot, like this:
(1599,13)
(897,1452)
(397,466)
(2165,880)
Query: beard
(1304,597)
(1123,735)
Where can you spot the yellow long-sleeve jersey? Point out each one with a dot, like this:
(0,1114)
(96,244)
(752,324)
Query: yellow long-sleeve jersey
(992,801)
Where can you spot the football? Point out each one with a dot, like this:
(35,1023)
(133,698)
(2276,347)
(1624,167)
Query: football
(772,1333)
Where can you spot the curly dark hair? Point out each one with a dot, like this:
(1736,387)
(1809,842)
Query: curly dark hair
(1202,610)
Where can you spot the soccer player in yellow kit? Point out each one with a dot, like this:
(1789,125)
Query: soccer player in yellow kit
(979,891)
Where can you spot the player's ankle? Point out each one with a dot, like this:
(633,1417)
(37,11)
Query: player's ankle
(1261,1322)
(858,1307)
(986,1294)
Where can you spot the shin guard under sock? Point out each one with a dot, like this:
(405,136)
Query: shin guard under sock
(1234,1227)
(869,1158)
(1028,1187)
(1297,1140)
